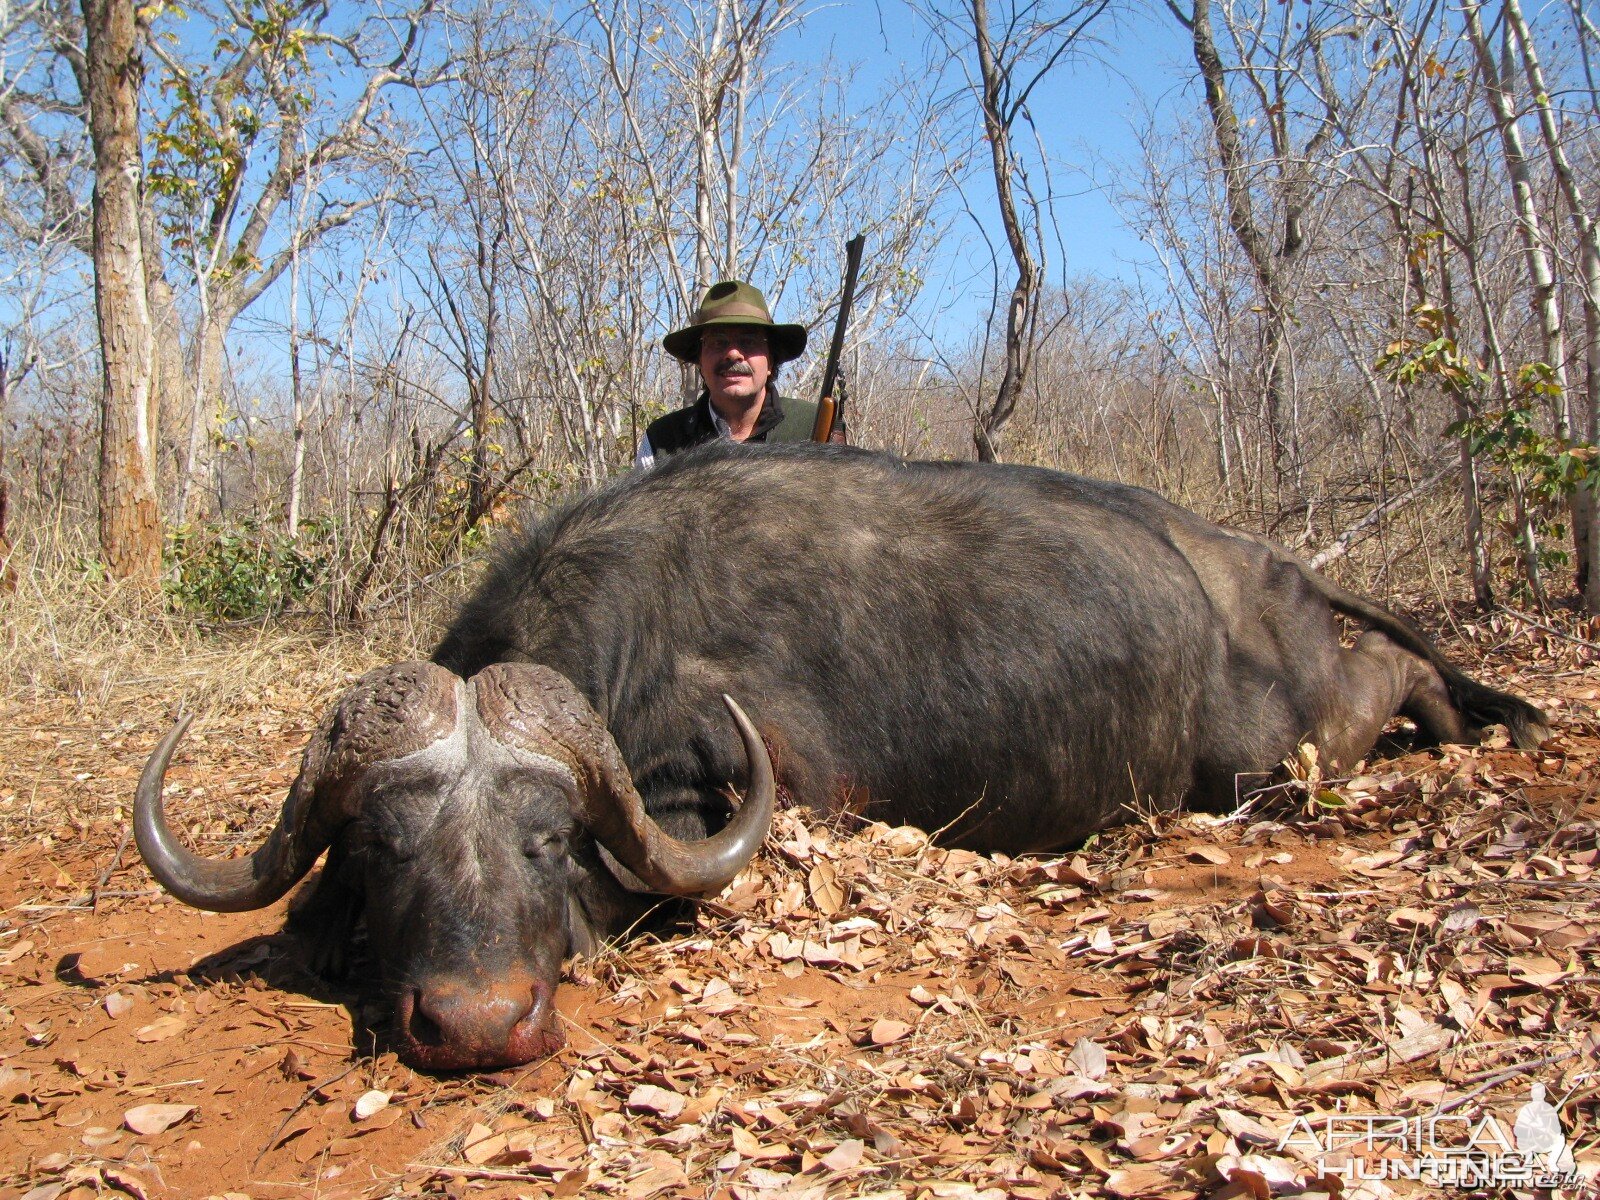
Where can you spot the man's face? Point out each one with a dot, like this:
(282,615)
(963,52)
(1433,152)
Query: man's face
(735,365)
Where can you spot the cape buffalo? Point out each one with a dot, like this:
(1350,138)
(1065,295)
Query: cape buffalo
(1010,655)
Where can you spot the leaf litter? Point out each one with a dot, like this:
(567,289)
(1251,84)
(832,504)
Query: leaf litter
(859,1014)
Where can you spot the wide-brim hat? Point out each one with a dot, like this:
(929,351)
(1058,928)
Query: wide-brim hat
(735,303)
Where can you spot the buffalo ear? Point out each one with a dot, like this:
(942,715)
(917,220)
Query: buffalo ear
(388,713)
(582,940)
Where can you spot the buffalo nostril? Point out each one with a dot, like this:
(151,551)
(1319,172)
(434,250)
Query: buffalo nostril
(456,1016)
(420,1025)
(452,1026)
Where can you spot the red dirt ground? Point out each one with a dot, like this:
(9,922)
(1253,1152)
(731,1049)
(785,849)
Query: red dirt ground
(858,1015)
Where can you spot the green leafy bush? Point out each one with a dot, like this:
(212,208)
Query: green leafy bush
(238,572)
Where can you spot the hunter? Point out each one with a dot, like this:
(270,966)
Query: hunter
(738,347)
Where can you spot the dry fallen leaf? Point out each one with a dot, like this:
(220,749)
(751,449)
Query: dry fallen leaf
(1130,1182)
(1409,918)
(370,1104)
(1247,1130)
(160,1029)
(1538,970)
(1088,1059)
(97,1137)
(147,1120)
(845,1156)
(887,1030)
(481,1144)
(123,1181)
(647,1097)
(827,893)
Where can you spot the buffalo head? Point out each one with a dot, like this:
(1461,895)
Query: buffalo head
(463,811)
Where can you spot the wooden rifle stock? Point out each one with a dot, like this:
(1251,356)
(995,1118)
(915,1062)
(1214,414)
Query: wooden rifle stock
(828,407)
(823,429)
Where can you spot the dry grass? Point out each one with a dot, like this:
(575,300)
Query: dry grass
(92,671)
(97,645)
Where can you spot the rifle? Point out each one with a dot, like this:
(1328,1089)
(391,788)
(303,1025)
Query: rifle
(827,407)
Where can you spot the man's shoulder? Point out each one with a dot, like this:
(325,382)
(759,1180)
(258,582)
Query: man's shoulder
(795,404)
(679,430)
(670,420)
(799,416)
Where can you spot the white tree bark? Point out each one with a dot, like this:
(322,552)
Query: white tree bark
(1584,417)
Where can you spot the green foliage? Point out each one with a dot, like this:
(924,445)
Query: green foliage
(213,115)
(92,570)
(1550,468)
(238,572)
(1542,470)
(1409,361)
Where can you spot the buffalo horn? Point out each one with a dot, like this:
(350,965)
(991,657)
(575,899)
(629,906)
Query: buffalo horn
(515,699)
(388,713)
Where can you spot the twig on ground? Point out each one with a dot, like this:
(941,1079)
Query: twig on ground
(1550,629)
(491,1173)
(116,861)
(1496,1078)
(1343,543)
(295,1111)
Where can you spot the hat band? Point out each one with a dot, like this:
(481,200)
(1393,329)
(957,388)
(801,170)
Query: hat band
(733,308)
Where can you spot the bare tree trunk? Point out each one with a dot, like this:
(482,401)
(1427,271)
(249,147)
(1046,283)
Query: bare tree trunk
(732,160)
(8,578)
(1224,461)
(480,494)
(1530,230)
(1585,536)
(1242,221)
(166,377)
(130,522)
(1471,499)
(1473,536)
(1022,308)
(199,467)
(709,103)
(297,419)
(1530,227)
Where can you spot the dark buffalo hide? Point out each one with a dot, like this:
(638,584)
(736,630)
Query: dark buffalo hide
(1013,657)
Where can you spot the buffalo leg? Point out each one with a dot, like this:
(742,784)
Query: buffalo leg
(1381,680)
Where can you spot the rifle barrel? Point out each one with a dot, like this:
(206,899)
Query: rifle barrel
(828,406)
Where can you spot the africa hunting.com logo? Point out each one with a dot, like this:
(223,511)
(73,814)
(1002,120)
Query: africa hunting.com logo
(1443,1150)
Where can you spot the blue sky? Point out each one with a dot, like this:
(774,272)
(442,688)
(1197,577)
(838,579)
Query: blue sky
(1087,112)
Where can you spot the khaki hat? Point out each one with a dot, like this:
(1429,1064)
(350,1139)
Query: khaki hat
(735,303)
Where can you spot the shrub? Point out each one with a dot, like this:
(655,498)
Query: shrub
(239,572)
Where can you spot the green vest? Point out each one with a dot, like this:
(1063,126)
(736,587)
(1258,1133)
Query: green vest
(782,419)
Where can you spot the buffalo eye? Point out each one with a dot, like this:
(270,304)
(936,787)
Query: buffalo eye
(388,847)
(396,852)
(544,847)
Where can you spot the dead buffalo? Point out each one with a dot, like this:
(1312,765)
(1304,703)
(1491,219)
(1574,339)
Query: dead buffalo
(1009,654)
